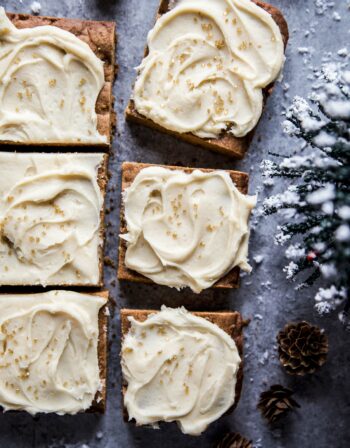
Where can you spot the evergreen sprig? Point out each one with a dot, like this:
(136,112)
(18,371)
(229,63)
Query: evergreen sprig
(316,205)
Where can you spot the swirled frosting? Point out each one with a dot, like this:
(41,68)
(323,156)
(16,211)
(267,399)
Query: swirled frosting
(50,206)
(49,84)
(186,229)
(48,351)
(207,64)
(178,367)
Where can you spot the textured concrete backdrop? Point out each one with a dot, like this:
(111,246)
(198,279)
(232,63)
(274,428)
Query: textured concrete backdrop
(316,28)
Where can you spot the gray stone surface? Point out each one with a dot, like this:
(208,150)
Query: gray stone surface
(265,296)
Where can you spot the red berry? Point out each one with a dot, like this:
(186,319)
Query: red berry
(311,256)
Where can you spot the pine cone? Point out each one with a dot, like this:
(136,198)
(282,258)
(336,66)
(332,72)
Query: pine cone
(302,348)
(276,402)
(234,440)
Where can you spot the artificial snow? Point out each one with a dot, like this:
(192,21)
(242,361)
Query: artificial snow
(268,182)
(296,162)
(336,16)
(301,110)
(328,270)
(289,197)
(291,269)
(344,319)
(35,7)
(322,6)
(99,435)
(330,71)
(288,213)
(310,124)
(281,238)
(321,195)
(317,121)
(286,87)
(346,76)
(266,284)
(294,251)
(338,109)
(315,230)
(328,208)
(264,358)
(343,52)
(323,139)
(343,233)
(344,212)
(289,128)
(319,247)
(268,168)
(258,259)
(328,299)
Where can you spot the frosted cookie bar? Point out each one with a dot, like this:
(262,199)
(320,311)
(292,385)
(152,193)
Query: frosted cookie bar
(208,68)
(56,78)
(53,352)
(180,366)
(52,218)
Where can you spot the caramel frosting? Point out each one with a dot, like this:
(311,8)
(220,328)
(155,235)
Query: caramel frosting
(186,229)
(49,84)
(48,351)
(207,64)
(178,367)
(50,207)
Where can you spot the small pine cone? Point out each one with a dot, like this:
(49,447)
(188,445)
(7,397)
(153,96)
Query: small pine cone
(234,440)
(276,402)
(302,348)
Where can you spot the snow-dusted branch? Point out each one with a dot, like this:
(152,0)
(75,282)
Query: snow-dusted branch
(316,206)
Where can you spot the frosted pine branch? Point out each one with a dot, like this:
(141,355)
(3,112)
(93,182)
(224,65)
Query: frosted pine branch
(316,205)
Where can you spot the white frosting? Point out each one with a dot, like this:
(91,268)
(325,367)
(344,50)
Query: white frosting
(50,206)
(178,367)
(49,84)
(48,351)
(207,64)
(186,229)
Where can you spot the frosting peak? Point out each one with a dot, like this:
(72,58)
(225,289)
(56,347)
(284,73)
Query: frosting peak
(207,64)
